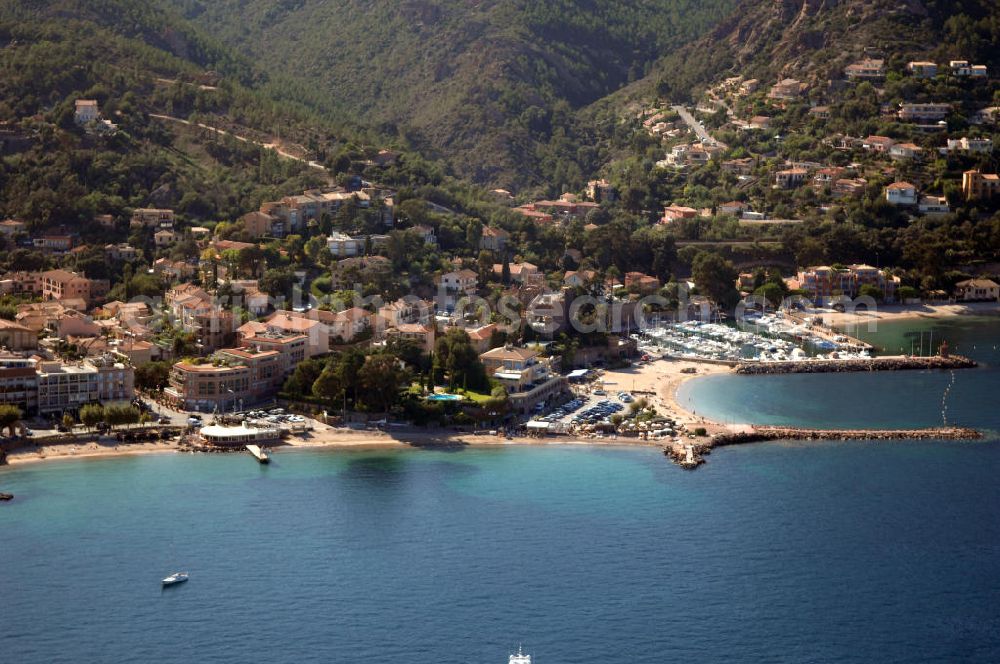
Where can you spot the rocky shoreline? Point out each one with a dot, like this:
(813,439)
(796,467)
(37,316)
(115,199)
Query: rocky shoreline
(895,363)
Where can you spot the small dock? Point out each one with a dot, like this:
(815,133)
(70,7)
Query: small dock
(259,453)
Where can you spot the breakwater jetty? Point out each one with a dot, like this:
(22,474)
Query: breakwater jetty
(690,454)
(888,363)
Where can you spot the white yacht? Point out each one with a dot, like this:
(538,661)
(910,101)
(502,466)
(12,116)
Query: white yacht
(175,578)
(520,657)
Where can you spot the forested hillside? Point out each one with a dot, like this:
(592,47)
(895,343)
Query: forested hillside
(814,39)
(491,86)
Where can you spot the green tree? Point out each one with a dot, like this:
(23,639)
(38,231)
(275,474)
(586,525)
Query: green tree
(68,421)
(91,414)
(10,417)
(152,376)
(381,381)
(457,360)
(715,277)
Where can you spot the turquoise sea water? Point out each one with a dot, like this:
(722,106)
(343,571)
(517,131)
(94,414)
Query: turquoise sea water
(880,399)
(791,552)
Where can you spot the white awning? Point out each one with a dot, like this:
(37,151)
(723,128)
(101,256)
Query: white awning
(535,424)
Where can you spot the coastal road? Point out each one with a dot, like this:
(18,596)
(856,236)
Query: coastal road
(697,127)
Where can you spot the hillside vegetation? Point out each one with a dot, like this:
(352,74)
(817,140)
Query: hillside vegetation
(813,40)
(492,86)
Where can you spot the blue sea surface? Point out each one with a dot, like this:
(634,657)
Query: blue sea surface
(834,552)
(797,552)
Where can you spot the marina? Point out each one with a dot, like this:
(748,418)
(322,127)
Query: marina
(762,339)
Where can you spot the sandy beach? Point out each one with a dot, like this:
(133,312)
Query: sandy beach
(659,382)
(888,313)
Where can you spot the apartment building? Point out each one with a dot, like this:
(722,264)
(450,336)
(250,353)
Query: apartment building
(824,283)
(67,387)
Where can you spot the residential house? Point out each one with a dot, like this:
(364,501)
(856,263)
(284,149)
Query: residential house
(527,377)
(348,272)
(517,369)
(76,324)
(672,213)
(578,278)
(820,112)
(12,227)
(923,69)
(734,208)
(480,337)
(933,205)
(163,238)
(790,178)
(743,166)
(853,187)
(494,239)
(905,151)
(17,337)
(260,224)
(53,243)
(601,191)
(643,283)
(536,215)
(901,193)
(977,185)
(977,290)
(877,143)
(909,112)
(968,145)
(524,273)
(825,177)
(460,281)
(171,271)
(403,310)
(867,69)
(347,325)
(121,252)
(421,334)
(787,89)
(151,218)
(426,233)
(86,111)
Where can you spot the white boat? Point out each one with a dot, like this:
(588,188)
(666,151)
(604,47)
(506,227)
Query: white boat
(175,578)
(520,657)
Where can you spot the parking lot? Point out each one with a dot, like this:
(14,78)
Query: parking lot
(584,409)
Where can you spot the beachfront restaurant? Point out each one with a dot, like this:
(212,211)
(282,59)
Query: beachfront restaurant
(237,436)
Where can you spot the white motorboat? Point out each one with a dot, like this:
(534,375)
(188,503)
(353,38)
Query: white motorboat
(175,578)
(520,657)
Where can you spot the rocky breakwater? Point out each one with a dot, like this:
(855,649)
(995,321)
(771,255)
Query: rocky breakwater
(892,363)
(689,454)
(762,434)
